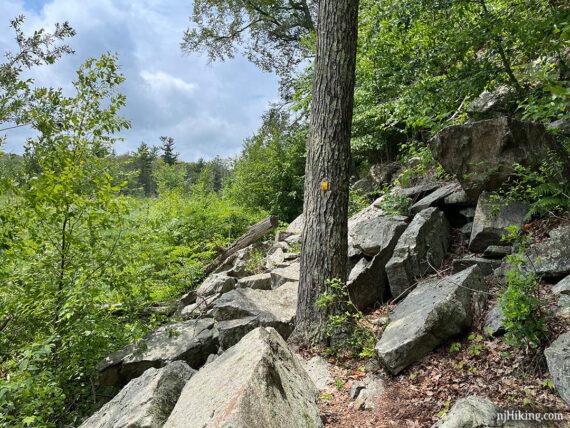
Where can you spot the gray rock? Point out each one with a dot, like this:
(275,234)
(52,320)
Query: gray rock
(285,274)
(459,197)
(466,230)
(423,245)
(145,402)
(356,388)
(558,360)
(261,281)
(468,213)
(494,320)
(563,306)
(487,266)
(190,341)
(364,185)
(551,257)
(435,311)
(216,283)
(418,192)
(231,331)
(271,308)
(490,103)
(256,383)
(481,154)
(478,412)
(491,221)
(435,198)
(198,308)
(276,259)
(384,173)
(563,286)
(296,226)
(373,232)
(368,282)
(319,370)
(366,397)
(497,251)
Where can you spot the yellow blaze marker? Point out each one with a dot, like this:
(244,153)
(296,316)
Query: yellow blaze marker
(325,185)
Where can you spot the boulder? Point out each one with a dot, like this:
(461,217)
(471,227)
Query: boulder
(558,360)
(296,226)
(319,370)
(271,308)
(261,281)
(285,274)
(487,266)
(216,283)
(494,321)
(497,251)
(190,341)
(145,402)
(562,287)
(364,185)
(256,383)
(198,308)
(492,219)
(479,412)
(231,331)
(276,259)
(422,246)
(435,311)
(481,154)
(384,173)
(492,103)
(367,392)
(435,198)
(373,232)
(551,257)
(418,192)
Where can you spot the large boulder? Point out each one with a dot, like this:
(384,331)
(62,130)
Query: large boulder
(384,173)
(558,360)
(421,247)
(551,257)
(372,232)
(190,341)
(438,309)
(261,281)
(216,283)
(435,198)
(491,221)
(296,226)
(145,402)
(256,383)
(492,103)
(481,154)
(289,273)
(479,412)
(270,308)
(199,308)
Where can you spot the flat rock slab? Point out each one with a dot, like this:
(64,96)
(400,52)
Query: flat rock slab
(190,341)
(497,251)
(145,402)
(487,266)
(216,283)
(491,221)
(558,360)
(256,383)
(551,257)
(319,370)
(285,274)
(372,232)
(435,311)
(421,247)
(435,198)
(260,281)
(269,308)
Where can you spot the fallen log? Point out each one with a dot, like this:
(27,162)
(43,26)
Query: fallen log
(256,232)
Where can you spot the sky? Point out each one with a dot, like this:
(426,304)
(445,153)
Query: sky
(208,108)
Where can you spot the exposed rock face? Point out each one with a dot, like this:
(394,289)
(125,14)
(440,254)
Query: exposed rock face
(373,232)
(199,308)
(272,308)
(435,311)
(319,370)
(435,198)
(478,412)
(145,402)
(481,154)
(256,383)
(563,286)
(558,360)
(551,257)
(487,266)
(424,243)
(260,281)
(216,283)
(285,274)
(491,221)
(190,341)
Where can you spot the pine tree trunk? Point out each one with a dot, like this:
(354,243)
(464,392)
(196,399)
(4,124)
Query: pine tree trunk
(325,235)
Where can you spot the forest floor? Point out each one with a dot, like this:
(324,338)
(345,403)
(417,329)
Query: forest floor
(473,364)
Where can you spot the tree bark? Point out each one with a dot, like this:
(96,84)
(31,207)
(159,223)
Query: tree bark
(325,235)
(256,232)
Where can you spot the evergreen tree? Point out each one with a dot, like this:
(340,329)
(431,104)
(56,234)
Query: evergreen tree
(168,155)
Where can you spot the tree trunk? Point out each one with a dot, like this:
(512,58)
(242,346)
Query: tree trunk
(325,235)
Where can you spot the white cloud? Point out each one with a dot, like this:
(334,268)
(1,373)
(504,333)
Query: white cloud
(209,109)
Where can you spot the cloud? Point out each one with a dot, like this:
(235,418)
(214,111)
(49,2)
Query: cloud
(209,109)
